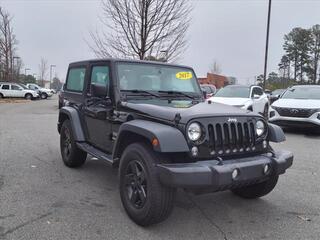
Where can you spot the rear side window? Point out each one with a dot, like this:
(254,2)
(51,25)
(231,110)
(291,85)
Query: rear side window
(15,87)
(5,87)
(75,79)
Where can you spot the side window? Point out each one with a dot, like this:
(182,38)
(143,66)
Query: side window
(257,91)
(5,87)
(75,79)
(15,87)
(100,75)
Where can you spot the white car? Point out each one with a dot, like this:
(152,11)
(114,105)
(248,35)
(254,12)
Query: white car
(15,90)
(297,106)
(44,93)
(246,97)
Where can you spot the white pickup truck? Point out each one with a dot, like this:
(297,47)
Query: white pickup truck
(16,90)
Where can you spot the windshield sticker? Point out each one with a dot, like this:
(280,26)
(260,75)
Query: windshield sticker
(184,75)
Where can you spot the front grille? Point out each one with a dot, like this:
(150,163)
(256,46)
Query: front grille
(231,138)
(296,112)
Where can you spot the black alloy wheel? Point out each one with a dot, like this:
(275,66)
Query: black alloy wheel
(136,184)
(72,155)
(67,147)
(144,198)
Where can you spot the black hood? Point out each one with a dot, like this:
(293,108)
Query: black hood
(187,110)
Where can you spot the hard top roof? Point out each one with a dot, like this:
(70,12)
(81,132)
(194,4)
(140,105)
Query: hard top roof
(91,61)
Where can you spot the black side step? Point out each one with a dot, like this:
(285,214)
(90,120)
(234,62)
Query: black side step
(95,152)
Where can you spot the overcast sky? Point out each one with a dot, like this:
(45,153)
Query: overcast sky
(231,32)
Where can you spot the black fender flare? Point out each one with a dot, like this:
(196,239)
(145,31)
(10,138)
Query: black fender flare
(73,115)
(275,133)
(170,139)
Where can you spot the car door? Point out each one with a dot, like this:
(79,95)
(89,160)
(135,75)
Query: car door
(5,90)
(257,96)
(98,129)
(16,91)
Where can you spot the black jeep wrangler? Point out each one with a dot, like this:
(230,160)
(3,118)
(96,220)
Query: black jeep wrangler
(151,121)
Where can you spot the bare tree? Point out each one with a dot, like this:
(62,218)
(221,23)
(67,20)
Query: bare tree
(17,66)
(142,29)
(8,44)
(215,68)
(43,71)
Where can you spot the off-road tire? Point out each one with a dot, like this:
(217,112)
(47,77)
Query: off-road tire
(1,96)
(43,96)
(159,199)
(28,96)
(72,156)
(257,190)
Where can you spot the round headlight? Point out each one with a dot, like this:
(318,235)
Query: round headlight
(194,131)
(260,128)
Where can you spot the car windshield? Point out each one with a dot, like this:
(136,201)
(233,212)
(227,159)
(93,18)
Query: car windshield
(157,79)
(278,91)
(234,92)
(302,93)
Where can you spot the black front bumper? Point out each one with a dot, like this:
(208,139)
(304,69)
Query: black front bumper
(213,176)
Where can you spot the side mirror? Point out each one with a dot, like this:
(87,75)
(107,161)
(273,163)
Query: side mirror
(99,90)
(64,87)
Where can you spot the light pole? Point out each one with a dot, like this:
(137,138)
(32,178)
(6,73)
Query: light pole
(25,74)
(12,70)
(267,47)
(51,66)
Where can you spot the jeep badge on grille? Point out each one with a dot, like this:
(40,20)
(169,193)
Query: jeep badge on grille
(232,120)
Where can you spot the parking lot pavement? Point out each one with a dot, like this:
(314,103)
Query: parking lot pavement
(42,199)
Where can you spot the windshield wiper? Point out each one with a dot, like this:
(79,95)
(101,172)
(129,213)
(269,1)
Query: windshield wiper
(141,91)
(179,93)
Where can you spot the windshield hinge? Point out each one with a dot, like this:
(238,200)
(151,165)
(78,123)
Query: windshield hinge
(177,118)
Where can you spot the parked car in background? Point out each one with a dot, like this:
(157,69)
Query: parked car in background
(209,89)
(246,97)
(16,90)
(44,93)
(274,95)
(297,106)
